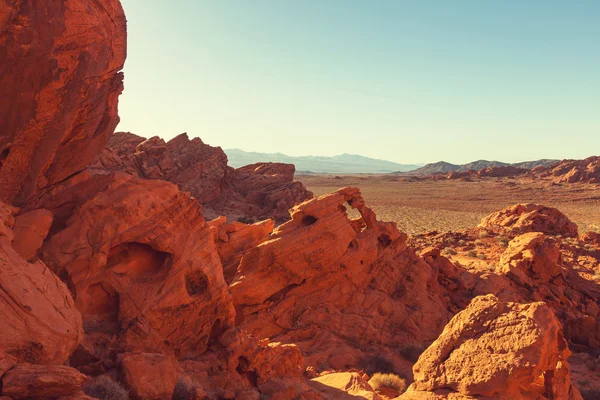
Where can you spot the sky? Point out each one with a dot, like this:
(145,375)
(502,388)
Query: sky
(410,81)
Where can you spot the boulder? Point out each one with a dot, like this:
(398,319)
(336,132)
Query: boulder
(149,376)
(26,381)
(497,350)
(523,218)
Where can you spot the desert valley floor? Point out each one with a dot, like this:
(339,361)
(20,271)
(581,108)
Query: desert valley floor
(421,205)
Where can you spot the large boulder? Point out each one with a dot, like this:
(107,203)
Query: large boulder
(497,350)
(27,381)
(40,323)
(59,87)
(142,263)
(529,217)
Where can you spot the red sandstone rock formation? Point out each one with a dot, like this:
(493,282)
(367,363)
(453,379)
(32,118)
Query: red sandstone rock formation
(39,321)
(496,350)
(142,262)
(345,291)
(530,218)
(150,276)
(60,80)
(265,190)
(571,171)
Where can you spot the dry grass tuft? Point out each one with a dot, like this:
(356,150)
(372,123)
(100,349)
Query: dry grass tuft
(104,388)
(379,381)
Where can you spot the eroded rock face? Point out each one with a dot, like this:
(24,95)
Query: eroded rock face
(142,262)
(260,190)
(499,350)
(235,238)
(523,218)
(40,323)
(26,381)
(342,290)
(60,81)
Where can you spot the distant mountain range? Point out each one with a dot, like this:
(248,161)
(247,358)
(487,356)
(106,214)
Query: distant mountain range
(342,164)
(443,167)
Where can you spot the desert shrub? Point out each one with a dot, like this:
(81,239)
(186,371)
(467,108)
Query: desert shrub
(184,389)
(503,240)
(449,251)
(246,219)
(484,234)
(472,253)
(412,352)
(462,242)
(375,364)
(104,388)
(482,256)
(391,381)
(480,243)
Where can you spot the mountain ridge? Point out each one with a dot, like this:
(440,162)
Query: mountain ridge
(444,167)
(341,163)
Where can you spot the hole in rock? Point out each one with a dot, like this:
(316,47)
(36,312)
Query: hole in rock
(215,331)
(136,260)
(243,365)
(102,310)
(384,241)
(242,369)
(3,155)
(196,283)
(280,294)
(309,220)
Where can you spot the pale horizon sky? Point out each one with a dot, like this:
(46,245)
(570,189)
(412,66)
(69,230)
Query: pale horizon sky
(412,81)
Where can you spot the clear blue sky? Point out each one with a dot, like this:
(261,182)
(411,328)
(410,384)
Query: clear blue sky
(403,80)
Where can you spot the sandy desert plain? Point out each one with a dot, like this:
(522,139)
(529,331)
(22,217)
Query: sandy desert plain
(419,205)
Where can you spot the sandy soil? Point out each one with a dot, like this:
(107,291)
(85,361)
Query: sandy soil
(419,206)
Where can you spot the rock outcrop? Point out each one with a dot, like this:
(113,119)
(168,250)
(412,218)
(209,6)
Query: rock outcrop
(523,218)
(497,350)
(60,81)
(572,171)
(142,262)
(531,259)
(264,190)
(345,291)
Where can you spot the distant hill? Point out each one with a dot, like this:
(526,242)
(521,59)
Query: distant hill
(444,167)
(341,164)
